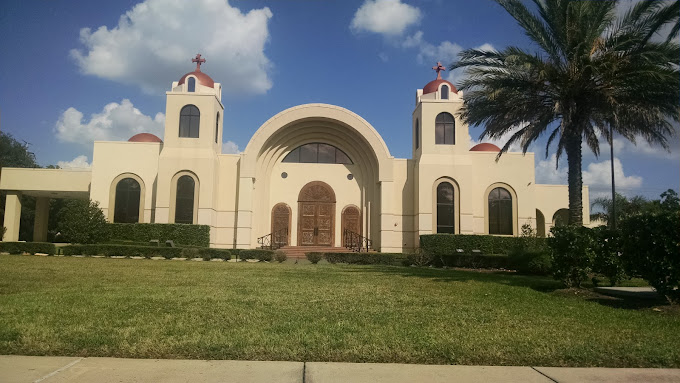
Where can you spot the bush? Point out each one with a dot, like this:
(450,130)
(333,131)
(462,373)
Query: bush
(651,250)
(191,253)
(82,221)
(438,245)
(572,254)
(208,253)
(362,258)
(418,258)
(606,248)
(28,247)
(180,234)
(2,232)
(314,257)
(123,250)
(280,256)
(475,261)
(530,262)
(259,254)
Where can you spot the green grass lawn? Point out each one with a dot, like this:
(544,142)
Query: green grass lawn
(211,310)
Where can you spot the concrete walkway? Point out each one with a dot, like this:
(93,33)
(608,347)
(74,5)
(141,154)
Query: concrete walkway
(49,369)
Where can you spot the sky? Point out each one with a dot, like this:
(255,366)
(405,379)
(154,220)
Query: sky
(76,72)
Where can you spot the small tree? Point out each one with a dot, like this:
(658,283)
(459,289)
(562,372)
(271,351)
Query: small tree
(651,250)
(607,254)
(572,254)
(82,221)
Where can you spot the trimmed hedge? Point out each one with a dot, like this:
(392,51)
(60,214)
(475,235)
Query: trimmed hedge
(259,254)
(365,258)
(180,234)
(28,247)
(476,261)
(447,244)
(110,250)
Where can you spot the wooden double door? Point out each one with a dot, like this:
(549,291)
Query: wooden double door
(316,215)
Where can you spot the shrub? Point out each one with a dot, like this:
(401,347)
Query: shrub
(651,250)
(533,262)
(280,256)
(2,232)
(259,254)
(418,258)
(572,254)
(180,234)
(446,244)
(190,253)
(28,247)
(476,261)
(362,258)
(123,250)
(606,248)
(208,253)
(314,257)
(82,221)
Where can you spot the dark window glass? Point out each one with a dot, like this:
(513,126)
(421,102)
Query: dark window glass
(217,126)
(446,221)
(184,202)
(293,156)
(191,84)
(309,153)
(444,129)
(417,134)
(500,212)
(126,209)
(317,153)
(445,92)
(189,119)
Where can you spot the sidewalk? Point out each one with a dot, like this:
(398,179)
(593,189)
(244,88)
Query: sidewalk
(49,369)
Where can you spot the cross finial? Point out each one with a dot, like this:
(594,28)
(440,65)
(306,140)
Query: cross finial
(438,69)
(198,60)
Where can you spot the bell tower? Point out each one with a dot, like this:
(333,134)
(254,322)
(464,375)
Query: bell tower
(194,111)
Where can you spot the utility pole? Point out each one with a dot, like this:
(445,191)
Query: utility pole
(611,149)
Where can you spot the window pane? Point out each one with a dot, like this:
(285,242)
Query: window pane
(417,134)
(439,134)
(445,92)
(341,157)
(293,156)
(448,134)
(326,154)
(126,209)
(189,121)
(445,193)
(445,215)
(184,204)
(217,126)
(308,153)
(192,84)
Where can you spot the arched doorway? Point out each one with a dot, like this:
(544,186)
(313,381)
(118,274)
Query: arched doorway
(281,224)
(351,222)
(316,215)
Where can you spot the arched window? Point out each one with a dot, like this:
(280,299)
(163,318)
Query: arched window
(184,201)
(500,212)
(126,208)
(446,222)
(445,92)
(217,126)
(189,119)
(191,85)
(317,153)
(561,217)
(444,129)
(417,134)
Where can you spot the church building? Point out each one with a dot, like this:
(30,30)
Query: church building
(312,175)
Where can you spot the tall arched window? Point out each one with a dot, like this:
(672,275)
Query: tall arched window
(184,202)
(191,85)
(217,126)
(446,222)
(126,208)
(189,119)
(500,212)
(417,134)
(444,129)
(445,92)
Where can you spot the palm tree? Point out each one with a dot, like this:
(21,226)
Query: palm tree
(592,72)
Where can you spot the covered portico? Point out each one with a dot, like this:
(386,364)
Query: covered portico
(42,184)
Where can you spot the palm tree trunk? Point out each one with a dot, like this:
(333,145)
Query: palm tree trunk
(575,179)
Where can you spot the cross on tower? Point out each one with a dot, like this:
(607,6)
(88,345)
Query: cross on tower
(438,69)
(198,60)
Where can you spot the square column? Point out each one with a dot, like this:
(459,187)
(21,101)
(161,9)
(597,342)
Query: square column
(12,216)
(42,213)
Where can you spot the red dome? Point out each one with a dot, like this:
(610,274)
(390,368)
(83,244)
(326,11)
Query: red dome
(202,78)
(145,137)
(485,147)
(433,86)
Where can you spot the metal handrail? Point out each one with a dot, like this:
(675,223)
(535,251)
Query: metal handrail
(356,242)
(274,240)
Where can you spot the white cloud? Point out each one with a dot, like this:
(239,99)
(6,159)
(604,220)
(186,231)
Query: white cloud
(597,175)
(385,17)
(116,122)
(625,148)
(230,147)
(154,41)
(383,57)
(79,162)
